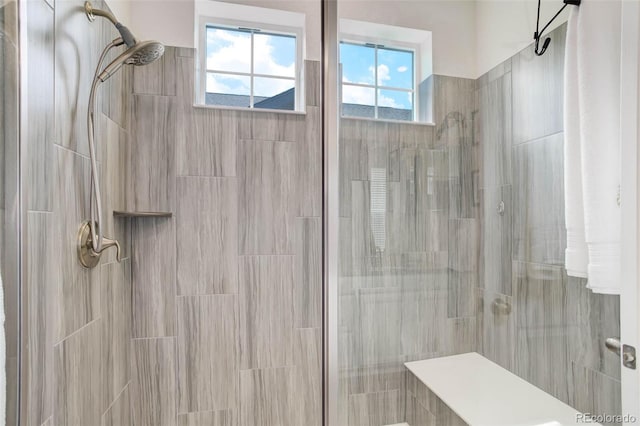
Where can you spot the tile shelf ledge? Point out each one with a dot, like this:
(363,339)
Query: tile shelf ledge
(126,214)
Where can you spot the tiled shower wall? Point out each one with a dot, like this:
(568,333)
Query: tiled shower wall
(9,205)
(77,321)
(227,303)
(409,249)
(533,319)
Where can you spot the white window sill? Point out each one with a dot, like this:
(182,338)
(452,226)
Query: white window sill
(258,110)
(386,120)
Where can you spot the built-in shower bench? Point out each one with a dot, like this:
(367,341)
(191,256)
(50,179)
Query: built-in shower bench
(469,389)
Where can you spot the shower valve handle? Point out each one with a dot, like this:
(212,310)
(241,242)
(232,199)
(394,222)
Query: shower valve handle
(108,242)
(90,257)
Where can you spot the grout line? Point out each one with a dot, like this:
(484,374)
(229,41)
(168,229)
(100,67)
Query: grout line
(154,338)
(125,387)
(530,141)
(77,331)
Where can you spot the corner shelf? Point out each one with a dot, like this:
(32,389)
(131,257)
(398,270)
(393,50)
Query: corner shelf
(127,214)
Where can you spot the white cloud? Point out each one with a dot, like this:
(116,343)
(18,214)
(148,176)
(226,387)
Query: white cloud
(385,101)
(358,95)
(383,74)
(402,69)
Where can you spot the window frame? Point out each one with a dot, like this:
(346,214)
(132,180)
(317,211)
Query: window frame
(378,43)
(252,28)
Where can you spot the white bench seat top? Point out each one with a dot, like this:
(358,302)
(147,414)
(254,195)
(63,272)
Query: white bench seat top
(484,394)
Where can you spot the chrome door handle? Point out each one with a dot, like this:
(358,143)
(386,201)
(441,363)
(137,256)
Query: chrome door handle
(613,344)
(628,352)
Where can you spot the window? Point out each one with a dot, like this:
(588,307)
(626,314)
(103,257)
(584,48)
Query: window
(250,68)
(377,81)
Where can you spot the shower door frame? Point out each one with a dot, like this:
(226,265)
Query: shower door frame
(330,201)
(630,219)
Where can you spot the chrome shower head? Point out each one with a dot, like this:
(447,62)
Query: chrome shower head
(141,53)
(138,52)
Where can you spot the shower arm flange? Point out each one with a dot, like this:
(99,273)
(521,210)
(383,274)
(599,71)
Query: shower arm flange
(92,13)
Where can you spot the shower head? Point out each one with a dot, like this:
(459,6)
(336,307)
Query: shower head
(141,53)
(138,52)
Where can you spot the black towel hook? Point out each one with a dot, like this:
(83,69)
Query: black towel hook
(538,34)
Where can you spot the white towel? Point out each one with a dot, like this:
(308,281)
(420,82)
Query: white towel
(592,144)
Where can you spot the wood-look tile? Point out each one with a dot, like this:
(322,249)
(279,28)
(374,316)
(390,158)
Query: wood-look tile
(153,150)
(185,76)
(538,90)
(78,288)
(495,131)
(266,311)
(119,413)
(9,104)
(267,194)
(363,237)
(313,83)
(380,316)
(453,102)
(538,201)
(153,277)
(376,378)
(497,235)
(266,398)
(595,393)
(12,377)
(9,16)
(540,298)
(417,415)
(116,327)
(271,126)
(309,166)
(157,78)
(424,312)
(206,141)
(462,335)
(208,418)
(591,319)
(206,235)
(463,267)
(207,353)
(495,73)
(308,269)
(345,261)
(116,96)
(308,391)
(497,335)
(464,181)
(40,282)
(40,105)
(432,404)
(373,409)
(79,374)
(113,180)
(185,52)
(153,382)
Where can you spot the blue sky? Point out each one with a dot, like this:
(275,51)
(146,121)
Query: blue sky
(395,69)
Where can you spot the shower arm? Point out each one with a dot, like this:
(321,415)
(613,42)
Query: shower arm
(97,240)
